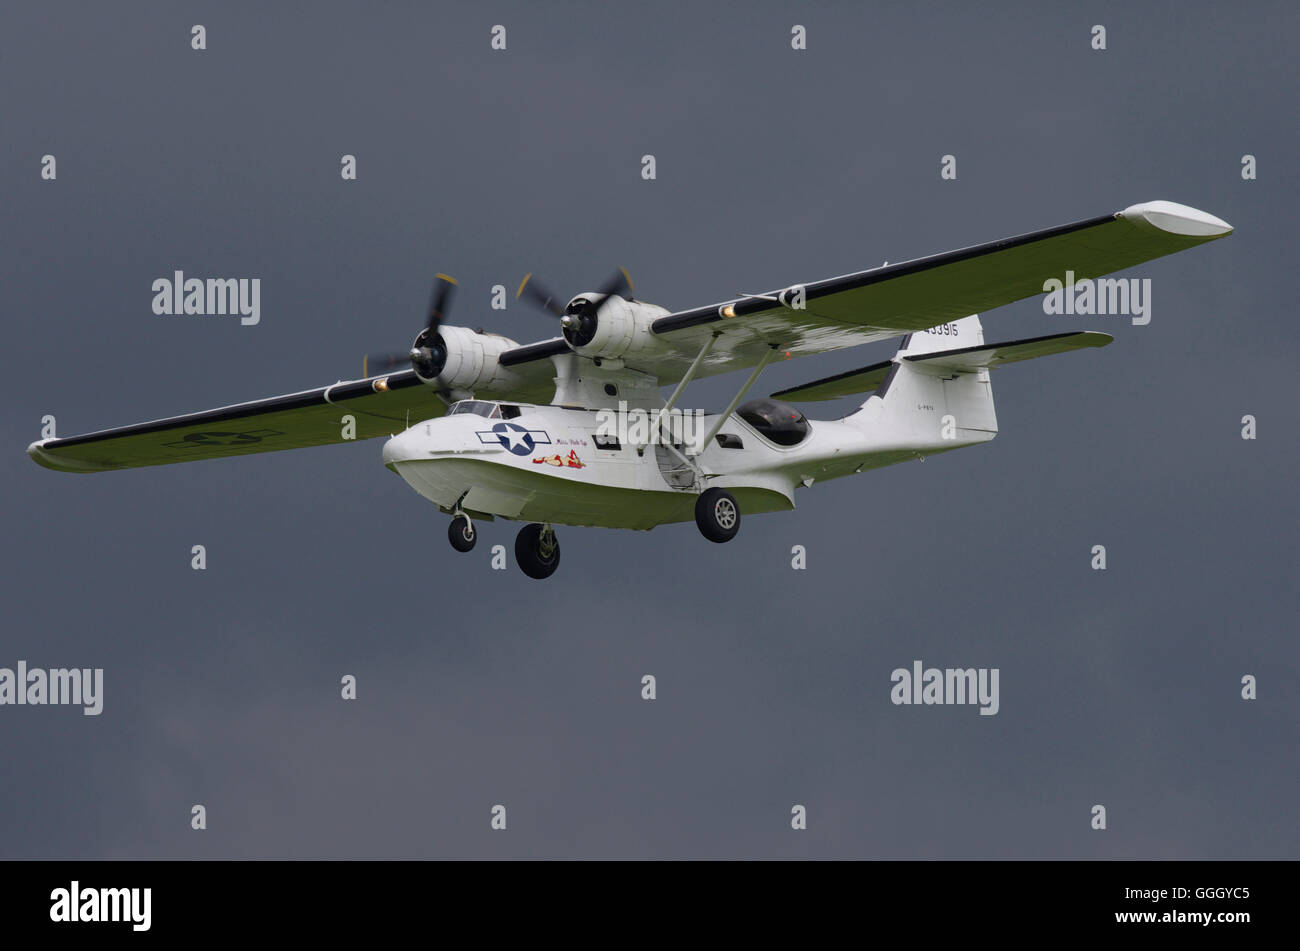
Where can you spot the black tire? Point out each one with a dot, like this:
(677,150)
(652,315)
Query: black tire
(717,515)
(461,533)
(530,557)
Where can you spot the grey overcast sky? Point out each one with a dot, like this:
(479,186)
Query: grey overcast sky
(476,687)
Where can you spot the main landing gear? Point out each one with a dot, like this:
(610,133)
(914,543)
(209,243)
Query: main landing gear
(717,515)
(537,551)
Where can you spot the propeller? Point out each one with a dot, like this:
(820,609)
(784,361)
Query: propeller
(543,298)
(539,296)
(428,354)
(579,318)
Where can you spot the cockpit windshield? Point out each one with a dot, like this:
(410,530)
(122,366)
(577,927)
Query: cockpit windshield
(475,407)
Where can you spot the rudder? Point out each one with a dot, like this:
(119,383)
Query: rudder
(934,404)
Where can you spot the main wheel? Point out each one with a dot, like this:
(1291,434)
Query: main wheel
(461,533)
(537,550)
(717,515)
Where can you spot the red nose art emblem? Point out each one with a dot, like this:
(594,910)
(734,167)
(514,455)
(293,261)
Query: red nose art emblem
(571,461)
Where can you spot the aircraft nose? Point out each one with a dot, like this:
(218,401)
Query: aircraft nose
(400,448)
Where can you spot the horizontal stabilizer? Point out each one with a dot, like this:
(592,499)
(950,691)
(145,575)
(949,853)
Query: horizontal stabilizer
(965,360)
(864,380)
(970,359)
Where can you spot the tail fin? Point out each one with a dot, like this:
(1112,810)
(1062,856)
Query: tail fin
(931,403)
(956,335)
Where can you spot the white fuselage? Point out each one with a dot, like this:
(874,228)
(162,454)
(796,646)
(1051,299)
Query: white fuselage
(545,465)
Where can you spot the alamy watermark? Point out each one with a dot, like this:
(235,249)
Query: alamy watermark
(951,685)
(650,427)
(213,296)
(78,903)
(60,685)
(1108,297)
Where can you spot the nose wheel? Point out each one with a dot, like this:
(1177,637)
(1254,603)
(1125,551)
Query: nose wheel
(461,533)
(537,550)
(717,515)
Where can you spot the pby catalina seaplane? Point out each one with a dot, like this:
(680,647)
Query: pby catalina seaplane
(541,433)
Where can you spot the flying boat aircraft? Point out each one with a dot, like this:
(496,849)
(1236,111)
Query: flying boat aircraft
(576,430)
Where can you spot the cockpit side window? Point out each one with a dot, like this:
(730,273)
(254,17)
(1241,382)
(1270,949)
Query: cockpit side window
(477,408)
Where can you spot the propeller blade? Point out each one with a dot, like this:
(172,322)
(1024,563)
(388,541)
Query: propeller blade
(444,289)
(537,295)
(619,283)
(427,354)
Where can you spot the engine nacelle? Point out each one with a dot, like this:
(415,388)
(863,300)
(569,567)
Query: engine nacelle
(611,329)
(462,359)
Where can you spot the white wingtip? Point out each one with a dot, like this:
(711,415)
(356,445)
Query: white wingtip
(42,458)
(37,452)
(1174,218)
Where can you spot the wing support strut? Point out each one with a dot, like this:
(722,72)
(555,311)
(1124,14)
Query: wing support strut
(726,414)
(672,400)
(681,386)
(690,374)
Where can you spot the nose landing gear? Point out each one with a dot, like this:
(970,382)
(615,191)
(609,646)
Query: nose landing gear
(461,532)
